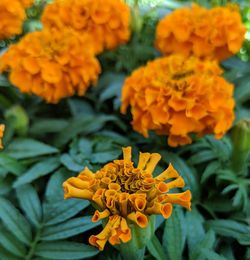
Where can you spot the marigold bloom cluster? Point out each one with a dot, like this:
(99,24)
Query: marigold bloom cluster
(217,33)
(12,17)
(176,96)
(106,21)
(125,195)
(2,127)
(52,64)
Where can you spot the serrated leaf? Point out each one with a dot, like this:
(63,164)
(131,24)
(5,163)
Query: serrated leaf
(228,228)
(242,90)
(48,125)
(10,243)
(211,255)
(174,235)
(195,229)
(202,157)
(82,126)
(11,164)
(61,211)
(210,170)
(206,243)
(70,164)
(14,221)
(65,250)
(155,248)
(30,203)
(54,191)
(27,148)
(80,108)
(68,229)
(107,156)
(38,170)
(4,254)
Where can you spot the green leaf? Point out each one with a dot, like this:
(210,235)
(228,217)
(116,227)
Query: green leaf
(10,243)
(107,156)
(5,185)
(210,170)
(244,239)
(155,248)
(228,228)
(211,255)
(40,169)
(60,211)
(174,235)
(201,157)
(27,148)
(65,250)
(30,203)
(84,126)
(11,164)
(206,243)
(14,221)
(48,125)
(4,254)
(242,90)
(69,163)
(80,108)
(54,191)
(68,229)
(195,229)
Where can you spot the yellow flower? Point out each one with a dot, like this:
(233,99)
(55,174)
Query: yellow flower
(106,22)
(125,195)
(217,33)
(52,64)
(176,96)
(2,127)
(12,17)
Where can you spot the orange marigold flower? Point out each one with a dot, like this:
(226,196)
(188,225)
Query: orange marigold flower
(27,3)
(126,195)
(12,17)
(52,64)
(2,127)
(176,96)
(107,22)
(217,33)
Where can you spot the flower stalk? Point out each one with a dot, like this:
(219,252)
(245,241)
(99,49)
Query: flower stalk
(241,147)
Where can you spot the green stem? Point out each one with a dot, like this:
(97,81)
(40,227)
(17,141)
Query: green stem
(30,254)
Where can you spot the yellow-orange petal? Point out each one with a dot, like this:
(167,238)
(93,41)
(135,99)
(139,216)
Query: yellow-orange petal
(100,215)
(72,192)
(139,218)
(177,183)
(2,127)
(154,159)
(183,199)
(143,159)
(127,154)
(169,173)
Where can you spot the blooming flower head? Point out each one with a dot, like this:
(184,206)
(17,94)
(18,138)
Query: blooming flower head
(12,17)
(176,96)
(2,127)
(52,64)
(124,195)
(217,33)
(107,22)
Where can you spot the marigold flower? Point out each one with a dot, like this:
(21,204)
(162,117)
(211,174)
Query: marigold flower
(217,33)
(176,96)
(106,22)
(127,195)
(52,64)
(12,17)
(2,127)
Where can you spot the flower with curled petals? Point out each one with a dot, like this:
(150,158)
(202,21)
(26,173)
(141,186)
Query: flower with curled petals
(217,33)
(106,22)
(2,127)
(52,64)
(12,17)
(127,196)
(175,96)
